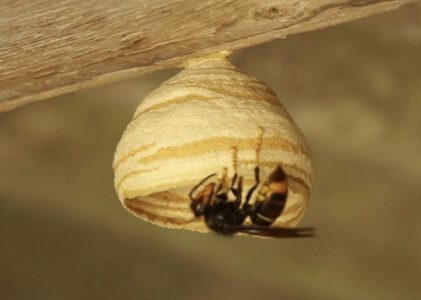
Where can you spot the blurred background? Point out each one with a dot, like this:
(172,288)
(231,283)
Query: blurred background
(354,90)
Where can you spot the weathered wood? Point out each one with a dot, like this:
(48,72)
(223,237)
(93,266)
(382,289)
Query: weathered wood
(49,47)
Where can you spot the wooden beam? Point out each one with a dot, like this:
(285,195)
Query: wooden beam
(50,47)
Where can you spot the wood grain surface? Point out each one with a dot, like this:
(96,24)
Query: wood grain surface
(48,48)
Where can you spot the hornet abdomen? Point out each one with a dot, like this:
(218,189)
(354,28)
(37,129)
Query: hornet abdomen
(271,199)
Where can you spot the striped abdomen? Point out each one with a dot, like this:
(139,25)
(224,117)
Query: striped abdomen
(271,199)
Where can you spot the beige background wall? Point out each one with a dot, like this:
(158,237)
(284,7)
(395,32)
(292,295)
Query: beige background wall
(355,91)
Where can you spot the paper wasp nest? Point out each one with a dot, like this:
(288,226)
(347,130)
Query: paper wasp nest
(186,129)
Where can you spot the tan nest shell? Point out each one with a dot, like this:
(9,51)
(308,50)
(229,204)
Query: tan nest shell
(186,129)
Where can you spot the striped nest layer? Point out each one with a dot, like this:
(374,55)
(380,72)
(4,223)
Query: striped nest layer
(186,129)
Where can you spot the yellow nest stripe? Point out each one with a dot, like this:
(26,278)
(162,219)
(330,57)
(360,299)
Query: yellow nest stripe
(220,144)
(132,153)
(159,219)
(273,164)
(131,174)
(247,181)
(204,81)
(176,100)
(259,94)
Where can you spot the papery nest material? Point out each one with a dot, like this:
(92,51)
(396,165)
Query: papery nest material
(186,129)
